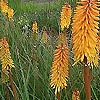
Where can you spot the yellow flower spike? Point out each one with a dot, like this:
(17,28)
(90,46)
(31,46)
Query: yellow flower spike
(44,37)
(35,30)
(10,13)
(5,56)
(65,16)
(75,95)
(4,7)
(59,69)
(85,29)
(35,27)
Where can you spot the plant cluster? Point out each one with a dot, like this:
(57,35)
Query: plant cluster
(36,65)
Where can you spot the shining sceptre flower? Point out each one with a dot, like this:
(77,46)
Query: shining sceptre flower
(85,29)
(35,30)
(4,7)
(10,13)
(59,69)
(65,16)
(35,27)
(5,55)
(76,95)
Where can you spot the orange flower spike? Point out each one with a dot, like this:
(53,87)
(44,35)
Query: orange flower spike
(65,16)
(59,70)
(35,27)
(75,95)
(5,56)
(10,13)
(85,29)
(4,7)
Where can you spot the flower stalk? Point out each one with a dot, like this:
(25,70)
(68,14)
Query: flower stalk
(13,86)
(58,95)
(7,92)
(87,79)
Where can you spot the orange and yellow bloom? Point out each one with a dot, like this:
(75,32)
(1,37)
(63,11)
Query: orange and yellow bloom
(76,95)
(59,69)
(4,7)
(35,27)
(65,16)
(5,56)
(85,29)
(10,13)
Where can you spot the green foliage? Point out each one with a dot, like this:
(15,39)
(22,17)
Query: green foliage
(33,59)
